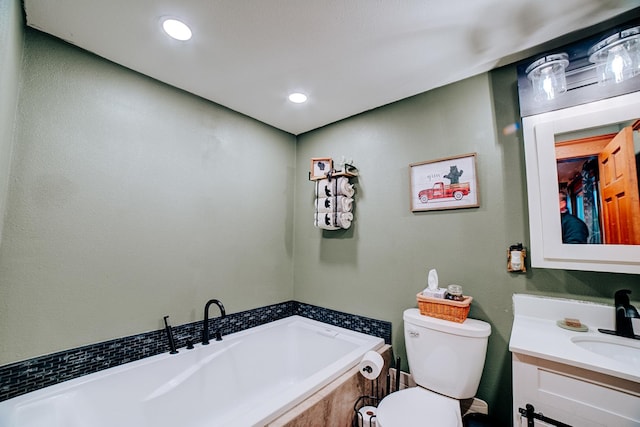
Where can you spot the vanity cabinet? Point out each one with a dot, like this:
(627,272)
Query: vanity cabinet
(565,381)
(573,395)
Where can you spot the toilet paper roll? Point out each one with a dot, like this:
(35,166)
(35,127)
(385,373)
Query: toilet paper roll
(367,417)
(371,365)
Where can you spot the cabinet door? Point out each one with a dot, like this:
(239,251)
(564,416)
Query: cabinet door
(572,395)
(620,199)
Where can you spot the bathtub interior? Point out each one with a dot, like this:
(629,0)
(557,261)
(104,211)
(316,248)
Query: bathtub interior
(247,379)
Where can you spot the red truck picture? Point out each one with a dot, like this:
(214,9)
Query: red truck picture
(440,190)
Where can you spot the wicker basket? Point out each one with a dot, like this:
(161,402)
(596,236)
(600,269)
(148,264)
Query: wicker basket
(455,311)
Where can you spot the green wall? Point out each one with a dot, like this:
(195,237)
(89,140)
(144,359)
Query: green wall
(10,57)
(377,267)
(130,200)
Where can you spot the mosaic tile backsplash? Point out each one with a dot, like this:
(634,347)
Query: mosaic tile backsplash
(33,374)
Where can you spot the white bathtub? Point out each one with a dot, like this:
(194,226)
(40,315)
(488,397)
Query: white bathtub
(248,379)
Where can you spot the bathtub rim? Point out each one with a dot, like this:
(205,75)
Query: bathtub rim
(350,360)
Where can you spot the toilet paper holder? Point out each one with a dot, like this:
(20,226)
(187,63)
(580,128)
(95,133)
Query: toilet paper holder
(365,406)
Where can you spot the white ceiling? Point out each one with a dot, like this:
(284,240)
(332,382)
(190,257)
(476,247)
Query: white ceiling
(348,56)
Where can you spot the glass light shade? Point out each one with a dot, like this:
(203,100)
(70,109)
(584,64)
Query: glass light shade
(617,57)
(633,49)
(618,67)
(548,77)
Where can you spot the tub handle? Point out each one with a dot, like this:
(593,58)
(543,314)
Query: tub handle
(172,343)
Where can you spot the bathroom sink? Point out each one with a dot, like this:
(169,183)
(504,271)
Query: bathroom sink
(625,350)
(536,333)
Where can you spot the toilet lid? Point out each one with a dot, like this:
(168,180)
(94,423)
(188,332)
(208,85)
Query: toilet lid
(417,406)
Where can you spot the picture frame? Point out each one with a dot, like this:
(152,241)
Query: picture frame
(446,183)
(320,166)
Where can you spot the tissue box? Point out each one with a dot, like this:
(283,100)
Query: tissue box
(435,293)
(455,311)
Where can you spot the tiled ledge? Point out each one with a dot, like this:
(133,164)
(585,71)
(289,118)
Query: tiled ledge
(33,374)
(366,325)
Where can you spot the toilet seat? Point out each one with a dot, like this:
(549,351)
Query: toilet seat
(417,406)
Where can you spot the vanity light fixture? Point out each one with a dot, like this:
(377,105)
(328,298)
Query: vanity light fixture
(617,57)
(547,76)
(298,98)
(176,29)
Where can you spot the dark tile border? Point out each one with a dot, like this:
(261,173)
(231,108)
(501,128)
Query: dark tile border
(366,325)
(33,374)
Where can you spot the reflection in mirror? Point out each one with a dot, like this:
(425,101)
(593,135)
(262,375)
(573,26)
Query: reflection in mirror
(598,184)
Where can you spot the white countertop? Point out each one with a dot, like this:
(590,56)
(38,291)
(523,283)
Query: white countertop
(535,333)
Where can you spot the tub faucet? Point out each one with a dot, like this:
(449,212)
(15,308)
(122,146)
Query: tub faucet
(205,322)
(624,313)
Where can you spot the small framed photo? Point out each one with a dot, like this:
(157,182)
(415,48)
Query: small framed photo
(320,166)
(448,183)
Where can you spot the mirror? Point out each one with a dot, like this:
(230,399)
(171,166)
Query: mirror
(566,153)
(598,184)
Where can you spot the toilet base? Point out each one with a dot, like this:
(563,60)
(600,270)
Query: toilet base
(418,406)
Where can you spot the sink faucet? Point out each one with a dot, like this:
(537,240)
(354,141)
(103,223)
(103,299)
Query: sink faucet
(205,322)
(624,313)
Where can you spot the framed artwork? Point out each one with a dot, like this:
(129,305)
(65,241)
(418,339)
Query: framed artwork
(448,183)
(320,166)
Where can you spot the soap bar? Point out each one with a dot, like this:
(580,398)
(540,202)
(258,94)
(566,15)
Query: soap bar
(581,328)
(574,323)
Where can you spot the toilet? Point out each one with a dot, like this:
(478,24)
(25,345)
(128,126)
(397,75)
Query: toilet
(446,360)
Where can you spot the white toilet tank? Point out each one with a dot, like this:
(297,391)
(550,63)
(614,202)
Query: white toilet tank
(446,357)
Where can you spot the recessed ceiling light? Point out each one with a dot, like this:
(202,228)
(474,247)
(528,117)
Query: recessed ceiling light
(298,97)
(176,29)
